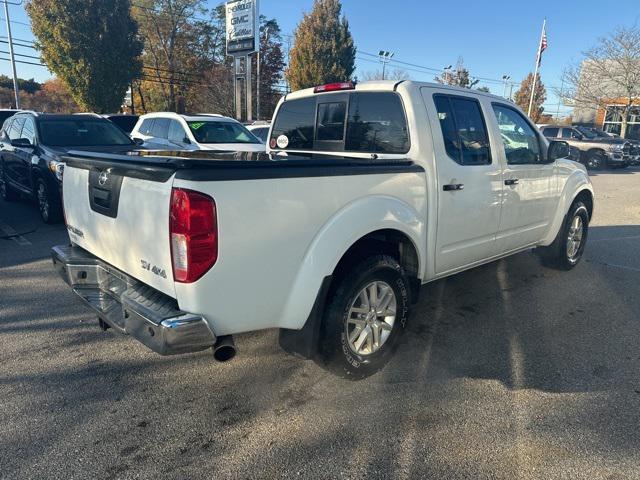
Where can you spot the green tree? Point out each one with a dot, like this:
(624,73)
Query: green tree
(323,50)
(91,45)
(523,97)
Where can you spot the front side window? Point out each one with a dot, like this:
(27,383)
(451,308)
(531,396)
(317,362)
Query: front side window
(81,132)
(221,132)
(29,130)
(330,124)
(520,141)
(376,124)
(176,132)
(463,130)
(160,128)
(295,125)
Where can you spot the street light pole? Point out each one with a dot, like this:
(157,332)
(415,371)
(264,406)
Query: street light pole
(11,56)
(505,79)
(385,57)
(266,35)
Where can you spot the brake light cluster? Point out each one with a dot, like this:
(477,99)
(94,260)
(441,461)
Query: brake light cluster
(193,230)
(334,87)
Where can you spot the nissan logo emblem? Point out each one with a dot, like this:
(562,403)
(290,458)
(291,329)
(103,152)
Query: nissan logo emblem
(103,178)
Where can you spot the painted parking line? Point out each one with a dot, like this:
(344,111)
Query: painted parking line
(10,233)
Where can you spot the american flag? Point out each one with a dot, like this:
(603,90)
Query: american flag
(543,44)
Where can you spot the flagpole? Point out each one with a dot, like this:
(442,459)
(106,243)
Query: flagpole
(535,74)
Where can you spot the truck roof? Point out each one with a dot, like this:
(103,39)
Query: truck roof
(390,86)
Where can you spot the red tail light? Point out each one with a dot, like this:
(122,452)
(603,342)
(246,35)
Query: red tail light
(333,87)
(193,228)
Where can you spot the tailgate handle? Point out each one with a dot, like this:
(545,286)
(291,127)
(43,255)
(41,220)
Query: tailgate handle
(104,192)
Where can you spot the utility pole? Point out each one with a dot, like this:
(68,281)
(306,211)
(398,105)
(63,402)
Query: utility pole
(266,36)
(11,56)
(385,57)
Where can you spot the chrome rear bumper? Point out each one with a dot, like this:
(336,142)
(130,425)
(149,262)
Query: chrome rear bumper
(130,306)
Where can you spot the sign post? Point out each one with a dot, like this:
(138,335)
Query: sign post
(242,40)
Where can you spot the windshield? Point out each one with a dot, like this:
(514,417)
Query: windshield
(221,132)
(586,132)
(82,132)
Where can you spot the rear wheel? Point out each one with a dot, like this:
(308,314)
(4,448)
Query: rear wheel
(596,160)
(365,318)
(566,250)
(7,193)
(50,211)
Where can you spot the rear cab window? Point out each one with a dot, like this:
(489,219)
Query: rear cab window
(362,122)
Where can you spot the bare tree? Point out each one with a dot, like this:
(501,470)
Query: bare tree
(396,74)
(459,77)
(610,71)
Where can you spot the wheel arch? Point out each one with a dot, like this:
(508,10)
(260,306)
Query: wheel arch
(368,224)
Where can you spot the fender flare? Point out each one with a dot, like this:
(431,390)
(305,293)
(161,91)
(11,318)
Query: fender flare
(337,235)
(574,186)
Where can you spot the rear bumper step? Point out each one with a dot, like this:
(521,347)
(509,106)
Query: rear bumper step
(130,306)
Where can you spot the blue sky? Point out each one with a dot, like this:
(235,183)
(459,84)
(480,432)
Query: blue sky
(494,38)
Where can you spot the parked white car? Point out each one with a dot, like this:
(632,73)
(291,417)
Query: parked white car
(371,191)
(172,131)
(260,130)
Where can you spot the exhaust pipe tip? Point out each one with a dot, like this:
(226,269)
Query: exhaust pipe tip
(224,349)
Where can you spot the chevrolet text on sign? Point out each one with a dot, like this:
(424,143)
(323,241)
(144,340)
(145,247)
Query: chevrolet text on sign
(240,20)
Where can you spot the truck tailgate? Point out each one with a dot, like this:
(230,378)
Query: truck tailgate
(121,219)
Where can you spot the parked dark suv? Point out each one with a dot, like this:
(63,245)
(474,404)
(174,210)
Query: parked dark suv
(595,152)
(31,146)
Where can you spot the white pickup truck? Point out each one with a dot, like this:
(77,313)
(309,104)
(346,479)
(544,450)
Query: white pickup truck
(367,192)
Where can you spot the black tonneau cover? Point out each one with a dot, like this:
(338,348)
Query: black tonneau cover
(159,166)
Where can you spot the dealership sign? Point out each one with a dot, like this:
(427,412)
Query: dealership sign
(242,26)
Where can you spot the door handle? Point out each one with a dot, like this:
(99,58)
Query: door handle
(512,181)
(453,187)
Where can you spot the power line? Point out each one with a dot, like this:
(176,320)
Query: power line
(26,63)
(16,21)
(19,45)
(22,55)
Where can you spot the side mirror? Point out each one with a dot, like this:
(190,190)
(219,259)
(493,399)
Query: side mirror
(557,149)
(138,141)
(21,143)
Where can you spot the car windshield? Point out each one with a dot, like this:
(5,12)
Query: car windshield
(81,132)
(586,132)
(221,132)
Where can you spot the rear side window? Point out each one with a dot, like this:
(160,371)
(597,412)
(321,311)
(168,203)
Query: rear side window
(550,132)
(376,124)
(146,127)
(160,128)
(463,130)
(296,121)
(16,128)
(176,132)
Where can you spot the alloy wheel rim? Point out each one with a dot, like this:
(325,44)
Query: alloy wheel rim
(595,161)
(43,202)
(371,318)
(574,238)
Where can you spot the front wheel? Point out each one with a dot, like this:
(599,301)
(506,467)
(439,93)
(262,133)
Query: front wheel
(365,318)
(50,212)
(596,161)
(566,250)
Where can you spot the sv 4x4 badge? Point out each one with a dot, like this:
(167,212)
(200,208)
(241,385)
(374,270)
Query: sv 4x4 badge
(153,269)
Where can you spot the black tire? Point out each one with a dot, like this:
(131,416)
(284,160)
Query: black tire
(335,350)
(7,193)
(50,211)
(596,160)
(558,254)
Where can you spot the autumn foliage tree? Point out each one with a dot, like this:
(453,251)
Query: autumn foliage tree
(323,49)
(523,97)
(91,45)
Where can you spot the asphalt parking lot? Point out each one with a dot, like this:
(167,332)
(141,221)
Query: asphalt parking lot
(509,371)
